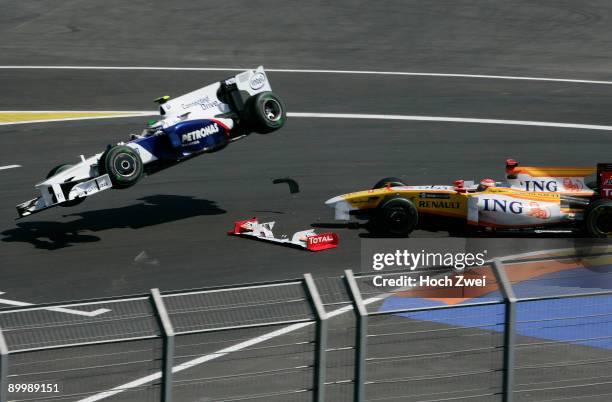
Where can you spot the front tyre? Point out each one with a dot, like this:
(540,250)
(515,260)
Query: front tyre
(598,218)
(395,216)
(265,112)
(123,165)
(59,169)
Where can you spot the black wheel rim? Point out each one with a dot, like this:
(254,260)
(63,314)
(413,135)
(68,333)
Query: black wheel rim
(398,220)
(125,165)
(272,110)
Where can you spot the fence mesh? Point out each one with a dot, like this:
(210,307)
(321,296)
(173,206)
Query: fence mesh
(79,372)
(260,342)
(35,328)
(562,350)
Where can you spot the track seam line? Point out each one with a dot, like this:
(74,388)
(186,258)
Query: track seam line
(313,71)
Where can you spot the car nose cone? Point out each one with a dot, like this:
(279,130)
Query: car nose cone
(334,200)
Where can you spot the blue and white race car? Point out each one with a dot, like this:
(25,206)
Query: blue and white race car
(205,120)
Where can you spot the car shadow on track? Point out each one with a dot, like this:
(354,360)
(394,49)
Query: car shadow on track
(153,210)
(462,232)
(351,225)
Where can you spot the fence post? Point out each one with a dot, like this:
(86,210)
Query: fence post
(168,334)
(509,329)
(361,334)
(3,368)
(321,353)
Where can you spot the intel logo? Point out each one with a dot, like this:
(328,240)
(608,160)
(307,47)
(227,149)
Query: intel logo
(257,81)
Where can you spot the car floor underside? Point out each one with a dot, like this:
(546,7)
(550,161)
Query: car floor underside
(458,226)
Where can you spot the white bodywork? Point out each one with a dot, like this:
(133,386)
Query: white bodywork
(202,103)
(306,239)
(504,210)
(561,184)
(264,231)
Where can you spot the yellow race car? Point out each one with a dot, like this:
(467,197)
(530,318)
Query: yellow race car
(537,199)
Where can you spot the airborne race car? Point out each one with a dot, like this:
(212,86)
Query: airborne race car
(205,120)
(531,198)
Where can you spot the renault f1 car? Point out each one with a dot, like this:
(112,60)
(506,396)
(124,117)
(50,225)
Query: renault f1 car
(537,199)
(203,121)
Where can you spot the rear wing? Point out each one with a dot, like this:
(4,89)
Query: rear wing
(221,97)
(604,179)
(571,180)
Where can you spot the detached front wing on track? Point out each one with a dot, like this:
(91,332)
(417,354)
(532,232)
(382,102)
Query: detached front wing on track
(305,239)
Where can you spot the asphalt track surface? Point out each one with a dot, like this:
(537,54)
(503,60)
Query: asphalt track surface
(169,231)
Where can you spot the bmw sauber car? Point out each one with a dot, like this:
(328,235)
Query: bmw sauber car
(536,199)
(202,121)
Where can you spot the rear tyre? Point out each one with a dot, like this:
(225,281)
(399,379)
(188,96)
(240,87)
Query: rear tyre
(395,216)
(265,112)
(59,169)
(388,181)
(123,165)
(598,218)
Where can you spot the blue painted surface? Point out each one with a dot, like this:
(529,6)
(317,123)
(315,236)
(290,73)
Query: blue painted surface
(580,320)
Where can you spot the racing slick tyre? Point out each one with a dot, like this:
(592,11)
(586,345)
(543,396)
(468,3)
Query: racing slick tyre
(388,181)
(598,218)
(123,165)
(265,112)
(59,169)
(395,216)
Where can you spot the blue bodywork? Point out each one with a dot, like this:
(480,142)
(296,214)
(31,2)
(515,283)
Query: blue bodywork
(186,139)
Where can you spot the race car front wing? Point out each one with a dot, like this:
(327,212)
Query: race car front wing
(56,195)
(306,239)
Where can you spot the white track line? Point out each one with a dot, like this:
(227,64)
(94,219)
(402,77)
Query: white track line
(451,119)
(315,71)
(57,309)
(9,167)
(367,116)
(220,353)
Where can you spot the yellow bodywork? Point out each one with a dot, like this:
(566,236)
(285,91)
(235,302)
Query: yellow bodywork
(444,202)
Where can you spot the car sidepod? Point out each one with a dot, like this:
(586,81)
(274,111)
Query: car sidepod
(195,136)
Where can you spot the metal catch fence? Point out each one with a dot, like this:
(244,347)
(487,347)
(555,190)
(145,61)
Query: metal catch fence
(313,339)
